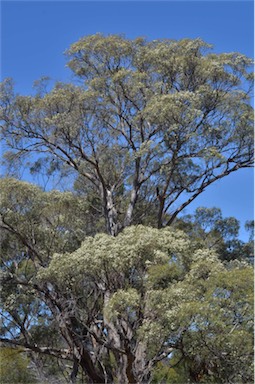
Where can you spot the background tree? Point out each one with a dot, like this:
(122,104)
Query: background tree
(35,224)
(153,121)
(208,227)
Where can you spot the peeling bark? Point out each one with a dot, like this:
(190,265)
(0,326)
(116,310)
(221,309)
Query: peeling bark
(111,215)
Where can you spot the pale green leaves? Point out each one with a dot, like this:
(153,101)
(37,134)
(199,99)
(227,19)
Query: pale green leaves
(163,114)
(180,108)
(123,304)
(96,54)
(137,247)
(41,221)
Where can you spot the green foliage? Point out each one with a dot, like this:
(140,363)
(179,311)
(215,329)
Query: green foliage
(161,276)
(14,367)
(161,120)
(167,290)
(87,278)
(149,274)
(208,227)
(44,220)
(249,225)
(173,370)
(136,247)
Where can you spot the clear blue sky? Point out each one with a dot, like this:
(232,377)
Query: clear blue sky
(36,33)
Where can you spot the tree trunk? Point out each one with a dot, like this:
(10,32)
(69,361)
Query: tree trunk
(112,216)
(123,372)
(161,198)
(110,212)
(131,206)
(67,324)
(140,368)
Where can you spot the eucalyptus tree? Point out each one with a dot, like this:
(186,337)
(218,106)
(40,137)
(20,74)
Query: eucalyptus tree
(113,308)
(207,226)
(34,224)
(137,308)
(153,121)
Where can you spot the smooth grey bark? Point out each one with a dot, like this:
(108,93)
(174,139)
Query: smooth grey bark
(131,206)
(110,212)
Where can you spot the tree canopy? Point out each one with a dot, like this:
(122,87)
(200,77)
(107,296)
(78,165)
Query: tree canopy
(119,306)
(102,280)
(156,122)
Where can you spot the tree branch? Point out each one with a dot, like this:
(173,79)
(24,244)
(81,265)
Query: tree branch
(59,353)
